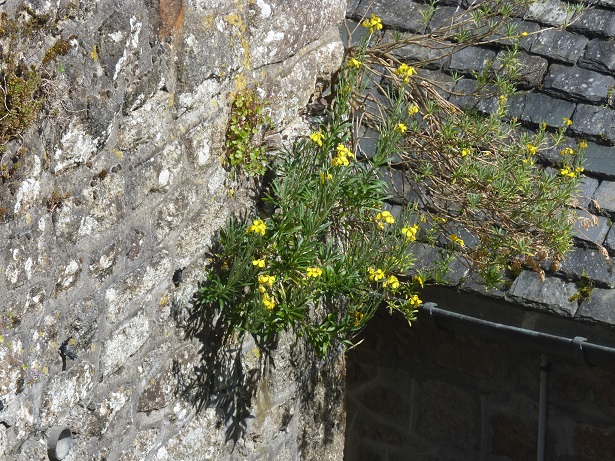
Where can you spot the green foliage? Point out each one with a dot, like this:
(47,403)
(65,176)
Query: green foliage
(325,252)
(244,133)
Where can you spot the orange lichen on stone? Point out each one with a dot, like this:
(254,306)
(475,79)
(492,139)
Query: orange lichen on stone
(172,16)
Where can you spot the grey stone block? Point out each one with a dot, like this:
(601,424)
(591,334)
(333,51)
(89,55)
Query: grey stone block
(590,228)
(471,59)
(599,56)
(599,306)
(467,96)
(586,191)
(559,45)
(532,69)
(578,84)
(609,242)
(550,12)
(600,160)
(591,263)
(427,257)
(428,53)
(552,295)
(540,108)
(398,14)
(594,121)
(605,196)
(595,22)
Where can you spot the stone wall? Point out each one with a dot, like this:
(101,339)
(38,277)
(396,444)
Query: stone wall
(428,393)
(118,198)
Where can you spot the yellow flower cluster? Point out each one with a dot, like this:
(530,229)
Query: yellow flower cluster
(531,149)
(582,145)
(341,159)
(412,110)
(373,24)
(317,137)
(405,72)
(375,274)
(410,232)
(258,227)
(401,128)
(358,316)
(324,177)
(354,63)
(268,301)
(314,272)
(418,279)
(384,217)
(259,262)
(266,280)
(570,172)
(414,301)
(391,282)
(465,152)
(567,121)
(566,151)
(457,240)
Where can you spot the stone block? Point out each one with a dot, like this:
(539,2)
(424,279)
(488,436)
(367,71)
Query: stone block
(594,443)
(595,21)
(124,343)
(609,242)
(448,415)
(552,295)
(398,14)
(605,197)
(599,56)
(586,190)
(600,160)
(599,306)
(594,122)
(578,84)
(531,69)
(471,59)
(589,227)
(559,45)
(540,108)
(428,53)
(591,263)
(549,12)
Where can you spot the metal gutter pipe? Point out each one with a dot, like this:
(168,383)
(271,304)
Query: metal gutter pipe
(542,407)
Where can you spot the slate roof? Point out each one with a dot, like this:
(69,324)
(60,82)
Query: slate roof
(565,73)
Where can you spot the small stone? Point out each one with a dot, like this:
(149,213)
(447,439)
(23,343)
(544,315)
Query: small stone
(398,14)
(471,59)
(599,56)
(594,121)
(550,12)
(590,263)
(586,191)
(589,227)
(599,306)
(559,45)
(600,160)
(605,196)
(578,84)
(531,68)
(552,295)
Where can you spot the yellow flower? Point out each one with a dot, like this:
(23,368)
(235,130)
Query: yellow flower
(268,280)
(523,34)
(566,151)
(258,227)
(457,240)
(391,282)
(373,24)
(410,232)
(579,169)
(268,301)
(414,301)
(401,128)
(531,149)
(418,279)
(317,137)
(465,152)
(582,145)
(385,216)
(324,177)
(343,150)
(567,121)
(314,272)
(354,63)
(358,316)
(259,262)
(341,159)
(412,109)
(405,72)
(375,275)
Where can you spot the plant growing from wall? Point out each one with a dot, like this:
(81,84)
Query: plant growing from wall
(325,251)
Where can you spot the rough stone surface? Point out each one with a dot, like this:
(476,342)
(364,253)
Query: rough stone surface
(550,12)
(595,21)
(599,56)
(594,122)
(599,306)
(403,15)
(539,108)
(590,263)
(552,295)
(559,45)
(471,59)
(590,228)
(600,160)
(605,197)
(579,84)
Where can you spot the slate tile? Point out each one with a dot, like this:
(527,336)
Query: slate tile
(578,84)
(600,160)
(398,14)
(587,187)
(599,306)
(605,196)
(428,53)
(609,242)
(427,258)
(550,12)
(552,295)
(541,108)
(599,56)
(532,69)
(582,261)
(471,59)
(594,121)
(559,45)
(584,228)
(595,21)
